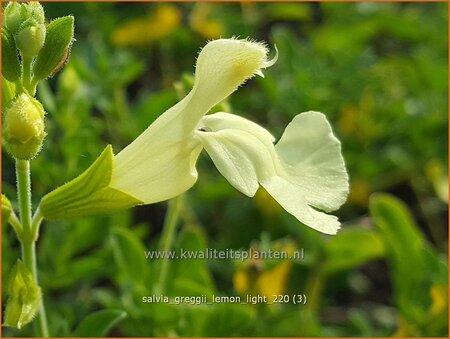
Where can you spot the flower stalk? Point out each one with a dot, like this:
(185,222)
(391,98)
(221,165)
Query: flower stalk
(26,75)
(29,232)
(167,238)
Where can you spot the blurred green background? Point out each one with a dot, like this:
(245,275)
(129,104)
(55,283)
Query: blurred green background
(377,70)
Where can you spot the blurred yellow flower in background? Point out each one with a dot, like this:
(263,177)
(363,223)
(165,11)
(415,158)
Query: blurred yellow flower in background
(348,120)
(437,174)
(201,23)
(260,277)
(274,281)
(439,296)
(359,193)
(161,22)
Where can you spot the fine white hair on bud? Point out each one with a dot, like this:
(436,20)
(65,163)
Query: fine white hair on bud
(225,64)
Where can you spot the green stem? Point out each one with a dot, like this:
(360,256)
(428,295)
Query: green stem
(43,320)
(24,193)
(36,223)
(26,75)
(313,290)
(19,87)
(28,239)
(167,237)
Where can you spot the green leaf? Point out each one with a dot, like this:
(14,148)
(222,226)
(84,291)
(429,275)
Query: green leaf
(351,248)
(188,275)
(228,320)
(99,324)
(129,254)
(24,297)
(407,255)
(88,193)
(87,269)
(56,48)
(10,60)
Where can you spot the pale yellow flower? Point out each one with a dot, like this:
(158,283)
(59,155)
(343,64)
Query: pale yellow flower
(304,171)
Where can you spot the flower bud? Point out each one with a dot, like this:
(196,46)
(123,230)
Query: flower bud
(24,127)
(30,39)
(17,13)
(24,297)
(36,11)
(13,16)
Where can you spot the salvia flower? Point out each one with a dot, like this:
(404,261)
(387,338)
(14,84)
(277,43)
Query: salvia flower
(304,171)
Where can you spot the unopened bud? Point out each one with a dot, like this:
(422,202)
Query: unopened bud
(30,39)
(24,127)
(24,297)
(17,13)
(13,16)
(36,11)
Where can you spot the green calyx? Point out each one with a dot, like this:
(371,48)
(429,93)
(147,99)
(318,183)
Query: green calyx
(56,49)
(24,297)
(24,127)
(87,194)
